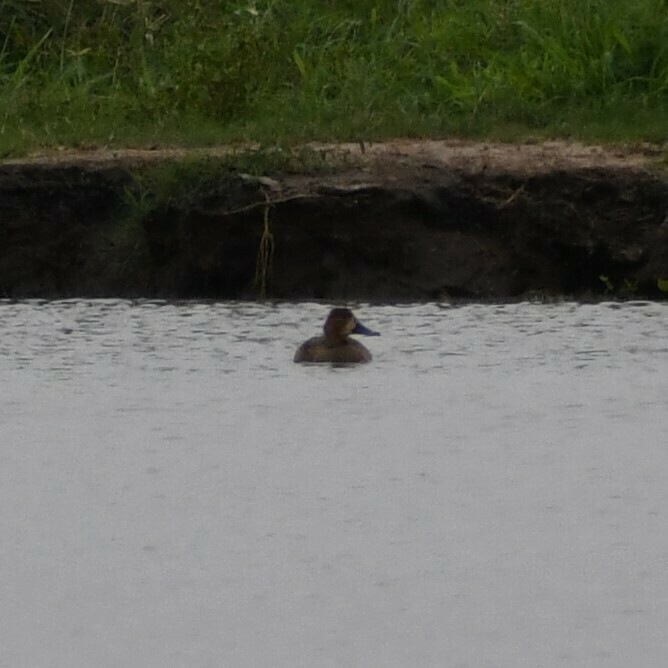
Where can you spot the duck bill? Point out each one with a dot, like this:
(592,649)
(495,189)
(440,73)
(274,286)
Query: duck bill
(361,329)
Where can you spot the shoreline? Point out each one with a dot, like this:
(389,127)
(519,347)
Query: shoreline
(397,221)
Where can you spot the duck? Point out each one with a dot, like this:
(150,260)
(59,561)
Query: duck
(336,346)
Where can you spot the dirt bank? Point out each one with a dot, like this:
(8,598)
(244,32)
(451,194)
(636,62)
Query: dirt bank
(394,221)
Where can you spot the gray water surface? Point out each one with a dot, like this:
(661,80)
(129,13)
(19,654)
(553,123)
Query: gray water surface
(491,491)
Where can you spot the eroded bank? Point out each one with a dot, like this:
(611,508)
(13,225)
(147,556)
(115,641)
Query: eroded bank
(399,221)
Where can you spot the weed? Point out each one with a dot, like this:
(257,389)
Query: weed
(123,248)
(627,288)
(265,256)
(133,72)
(607,284)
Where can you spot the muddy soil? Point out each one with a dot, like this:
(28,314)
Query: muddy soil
(403,220)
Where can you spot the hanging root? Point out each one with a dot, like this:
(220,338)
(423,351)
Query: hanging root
(265,257)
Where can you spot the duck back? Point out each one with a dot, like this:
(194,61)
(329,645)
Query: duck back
(318,350)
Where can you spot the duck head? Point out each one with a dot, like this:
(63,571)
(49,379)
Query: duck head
(341,323)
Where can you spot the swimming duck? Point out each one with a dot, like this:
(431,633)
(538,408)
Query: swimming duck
(335,346)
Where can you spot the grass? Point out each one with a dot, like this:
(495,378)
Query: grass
(280,72)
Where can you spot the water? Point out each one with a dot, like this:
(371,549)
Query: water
(489,492)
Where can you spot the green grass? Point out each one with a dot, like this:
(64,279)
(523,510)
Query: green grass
(136,73)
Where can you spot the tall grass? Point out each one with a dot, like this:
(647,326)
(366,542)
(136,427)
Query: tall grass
(136,72)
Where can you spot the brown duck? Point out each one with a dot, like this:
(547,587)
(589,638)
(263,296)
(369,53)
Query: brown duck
(336,346)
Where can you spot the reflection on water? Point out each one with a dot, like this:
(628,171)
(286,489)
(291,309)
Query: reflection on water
(490,491)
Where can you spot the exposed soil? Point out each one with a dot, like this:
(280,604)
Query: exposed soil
(394,221)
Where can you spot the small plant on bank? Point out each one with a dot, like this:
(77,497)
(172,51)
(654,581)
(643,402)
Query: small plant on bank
(607,283)
(265,257)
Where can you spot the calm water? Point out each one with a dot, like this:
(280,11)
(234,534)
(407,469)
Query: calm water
(492,491)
